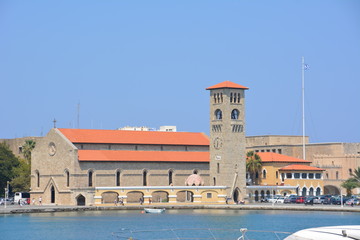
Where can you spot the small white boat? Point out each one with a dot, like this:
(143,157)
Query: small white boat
(327,233)
(154,210)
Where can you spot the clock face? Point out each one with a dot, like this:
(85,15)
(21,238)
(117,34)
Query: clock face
(217,143)
(52,149)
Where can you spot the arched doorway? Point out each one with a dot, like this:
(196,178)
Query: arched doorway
(185,196)
(80,200)
(160,196)
(134,196)
(236,195)
(311,191)
(52,192)
(331,190)
(262,195)
(109,197)
(256,196)
(318,191)
(303,192)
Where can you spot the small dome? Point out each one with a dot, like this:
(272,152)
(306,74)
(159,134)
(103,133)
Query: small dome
(194,180)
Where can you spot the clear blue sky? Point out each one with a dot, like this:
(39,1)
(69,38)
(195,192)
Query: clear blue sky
(147,63)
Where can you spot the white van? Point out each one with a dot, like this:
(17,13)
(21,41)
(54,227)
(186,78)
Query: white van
(23,197)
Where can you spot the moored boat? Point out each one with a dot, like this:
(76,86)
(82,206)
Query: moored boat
(327,233)
(154,210)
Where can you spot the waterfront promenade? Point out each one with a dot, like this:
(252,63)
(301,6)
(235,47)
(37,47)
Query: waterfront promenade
(16,209)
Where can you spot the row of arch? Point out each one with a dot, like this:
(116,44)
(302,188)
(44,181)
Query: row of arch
(234,98)
(138,196)
(235,113)
(303,192)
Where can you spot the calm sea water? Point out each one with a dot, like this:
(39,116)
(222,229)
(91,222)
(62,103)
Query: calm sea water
(124,224)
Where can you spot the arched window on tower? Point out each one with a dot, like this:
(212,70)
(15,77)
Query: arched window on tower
(215,98)
(231,97)
(235,114)
(218,114)
(264,174)
(238,98)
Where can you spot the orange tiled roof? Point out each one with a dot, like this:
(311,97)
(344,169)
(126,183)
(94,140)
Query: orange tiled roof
(142,156)
(275,157)
(226,84)
(299,167)
(134,137)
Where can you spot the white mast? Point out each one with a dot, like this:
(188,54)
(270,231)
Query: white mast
(303,105)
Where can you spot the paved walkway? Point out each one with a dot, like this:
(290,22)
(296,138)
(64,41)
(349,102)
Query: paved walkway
(14,209)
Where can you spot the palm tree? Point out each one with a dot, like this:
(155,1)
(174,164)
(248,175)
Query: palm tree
(253,164)
(356,174)
(349,185)
(27,148)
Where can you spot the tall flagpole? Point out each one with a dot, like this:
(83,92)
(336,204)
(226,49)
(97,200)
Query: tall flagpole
(303,104)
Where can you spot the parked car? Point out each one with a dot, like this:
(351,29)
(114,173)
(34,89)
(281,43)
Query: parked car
(276,200)
(300,200)
(310,200)
(9,201)
(290,200)
(327,200)
(266,199)
(352,202)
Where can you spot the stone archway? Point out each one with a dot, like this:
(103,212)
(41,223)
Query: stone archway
(80,200)
(185,196)
(160,196)
(331,190)
(135,197)
(109,197)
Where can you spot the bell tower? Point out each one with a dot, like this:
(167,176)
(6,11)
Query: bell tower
(227,138)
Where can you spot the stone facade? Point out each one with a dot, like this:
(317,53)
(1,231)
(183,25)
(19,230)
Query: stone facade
(60,178)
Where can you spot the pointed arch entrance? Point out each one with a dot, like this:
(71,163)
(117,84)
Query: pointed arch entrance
(80,200)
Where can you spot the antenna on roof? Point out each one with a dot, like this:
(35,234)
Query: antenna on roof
(54,121)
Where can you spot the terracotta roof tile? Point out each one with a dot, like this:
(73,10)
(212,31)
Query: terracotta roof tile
(275,157)
(299,167)
(134,137)
(142,156)
(226,84)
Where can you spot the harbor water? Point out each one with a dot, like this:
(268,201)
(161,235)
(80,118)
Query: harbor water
(173,224)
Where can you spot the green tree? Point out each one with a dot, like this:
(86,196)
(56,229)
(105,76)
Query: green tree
(27,148)
(356,174)
(253,164)
(8,163)
(349,185)
(21,180)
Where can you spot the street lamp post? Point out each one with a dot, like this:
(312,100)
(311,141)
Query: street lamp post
(6,192)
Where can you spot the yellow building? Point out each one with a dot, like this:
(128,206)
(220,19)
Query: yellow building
(284,175)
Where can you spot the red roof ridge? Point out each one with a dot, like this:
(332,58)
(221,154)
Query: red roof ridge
(300,167)
(135,137)
(227,84)
(276,157)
